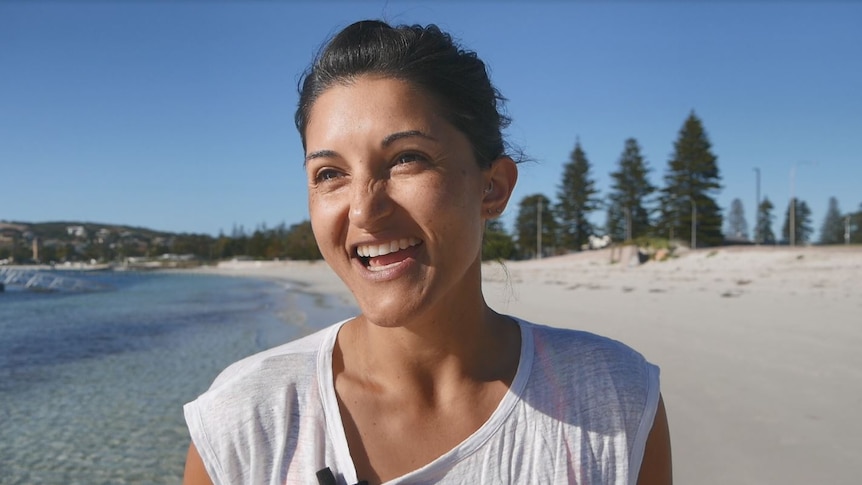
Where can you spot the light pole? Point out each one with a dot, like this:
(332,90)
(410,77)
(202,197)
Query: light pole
(628,213)
(693,224)
(539,228)
(757,209)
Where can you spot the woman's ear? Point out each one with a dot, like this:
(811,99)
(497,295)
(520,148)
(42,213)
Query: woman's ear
(500,179)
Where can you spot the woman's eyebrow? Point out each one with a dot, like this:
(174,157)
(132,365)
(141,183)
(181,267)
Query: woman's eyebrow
(319,154)
(388,140)
(405,134)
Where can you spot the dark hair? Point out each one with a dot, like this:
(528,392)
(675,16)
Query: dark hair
(424,56)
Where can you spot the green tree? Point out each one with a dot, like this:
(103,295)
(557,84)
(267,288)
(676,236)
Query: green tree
(21,253)
(615,223)
(157,247)
(62,252)
(832,231)
(257,243)
(497,243)
(801,223)
(239,241)
(577,199)
(629,192)
(764,222)
(856,226)
(300,242)
(200,245)
(48,254)
(737,226)
(276,241)
(223,247)
(691,180)
(526,225)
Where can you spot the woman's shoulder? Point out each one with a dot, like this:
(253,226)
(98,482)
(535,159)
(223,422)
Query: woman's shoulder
(582,382)
(287,358)
(264,383)
(577,344)
(584,363)
(292,361)
(258,401)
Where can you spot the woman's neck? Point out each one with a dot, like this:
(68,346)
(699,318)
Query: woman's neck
(448,350)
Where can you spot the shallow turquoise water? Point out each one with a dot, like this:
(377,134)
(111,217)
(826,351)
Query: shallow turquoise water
(92,384)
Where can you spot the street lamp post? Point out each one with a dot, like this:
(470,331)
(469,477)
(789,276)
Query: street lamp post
(539,228)
(693,224)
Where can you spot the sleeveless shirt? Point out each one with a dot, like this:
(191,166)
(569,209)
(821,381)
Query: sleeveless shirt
(579,411)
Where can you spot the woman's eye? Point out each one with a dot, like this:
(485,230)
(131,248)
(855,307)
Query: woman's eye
(326,175)
(408,158)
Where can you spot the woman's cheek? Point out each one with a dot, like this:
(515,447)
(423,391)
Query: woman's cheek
(323,222)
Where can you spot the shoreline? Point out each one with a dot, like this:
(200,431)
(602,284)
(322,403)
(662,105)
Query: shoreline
(310,277)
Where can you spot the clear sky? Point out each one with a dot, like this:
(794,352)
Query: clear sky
(179,116)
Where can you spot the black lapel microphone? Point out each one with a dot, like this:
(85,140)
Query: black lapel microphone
(325,477)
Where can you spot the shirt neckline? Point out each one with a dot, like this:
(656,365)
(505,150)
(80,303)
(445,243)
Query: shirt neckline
(335,428)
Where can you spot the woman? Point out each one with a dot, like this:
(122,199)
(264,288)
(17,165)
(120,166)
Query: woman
(405,163)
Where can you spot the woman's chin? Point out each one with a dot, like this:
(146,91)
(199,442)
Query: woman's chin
(387,312)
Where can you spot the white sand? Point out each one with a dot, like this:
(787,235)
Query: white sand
(760,348)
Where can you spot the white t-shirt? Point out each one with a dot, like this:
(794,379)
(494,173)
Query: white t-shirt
(579,410)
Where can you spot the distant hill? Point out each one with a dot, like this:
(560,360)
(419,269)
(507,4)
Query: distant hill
(75,241)
(60,229)
(63,241)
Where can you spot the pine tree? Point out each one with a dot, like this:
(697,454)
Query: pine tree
(801,223)
(691,179)
(615,223)
(856,226)
(577,199)
(630,190)
(737,227)
(300,242)
(668,216)
(832,231)
(527,222)
(764,219)
(497,243)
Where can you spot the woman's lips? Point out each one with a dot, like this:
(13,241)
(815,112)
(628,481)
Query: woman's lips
(390,265)
(387,261)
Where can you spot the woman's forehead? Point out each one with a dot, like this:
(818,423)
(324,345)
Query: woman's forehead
(376,107)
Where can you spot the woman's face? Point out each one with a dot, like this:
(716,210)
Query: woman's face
(396,198)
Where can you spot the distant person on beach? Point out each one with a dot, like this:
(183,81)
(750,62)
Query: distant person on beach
(402,131)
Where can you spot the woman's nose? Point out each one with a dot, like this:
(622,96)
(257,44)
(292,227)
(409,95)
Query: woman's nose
(370,204)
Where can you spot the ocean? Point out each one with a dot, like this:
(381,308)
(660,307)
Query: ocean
(92,383)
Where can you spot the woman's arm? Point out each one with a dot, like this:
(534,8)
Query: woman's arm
(656,468)
(196,474)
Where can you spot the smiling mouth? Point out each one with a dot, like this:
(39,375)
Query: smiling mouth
(378,257)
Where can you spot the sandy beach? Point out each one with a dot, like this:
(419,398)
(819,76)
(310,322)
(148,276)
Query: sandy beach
(760,347)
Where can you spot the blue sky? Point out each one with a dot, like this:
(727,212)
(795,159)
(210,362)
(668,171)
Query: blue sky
(179,116)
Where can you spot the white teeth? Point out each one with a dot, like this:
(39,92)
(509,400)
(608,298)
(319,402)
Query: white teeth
(372,251)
